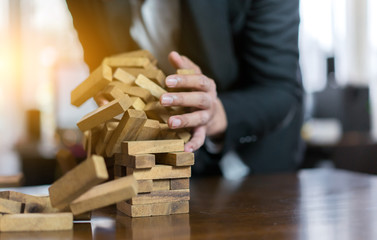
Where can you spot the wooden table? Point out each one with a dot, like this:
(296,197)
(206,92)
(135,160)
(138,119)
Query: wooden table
(312,204)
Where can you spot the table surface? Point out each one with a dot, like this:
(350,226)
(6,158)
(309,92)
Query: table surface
(311,204)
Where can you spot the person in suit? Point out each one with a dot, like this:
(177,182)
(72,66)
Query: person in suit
(247,91)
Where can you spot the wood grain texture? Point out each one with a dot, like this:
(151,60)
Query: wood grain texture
(32,204)
(121,75)
(176,158)
(75,183)
(145,186)
(153,146)
(148,84)
(36,222)
(137,161)
(105,194)
(179,183)
(96,81)
(127,129)
(161,196)
(155,75)
(10,206)
(149,131)
(155,209)
(160,172)
(161,185)
(104,113)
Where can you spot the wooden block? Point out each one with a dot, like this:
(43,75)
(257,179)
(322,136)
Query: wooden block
(149,131)
(11,181)
(137,103)
(109,93)
(145,186)
(155,209)
(86,216)
(105,136)
(96,81)
(75,183)
(156,111)
(119,171)
(179,183)
(160,172)
(176,158)
(161,196)
(105,194)
(142,93)
(127,129)
(155,75)
(161,184)
(137,53)
(117,62)
(36,222)
(148,84)
(152,146)
(32,204)
(66,160)
(184,135)
(104,113)
(186,71)
(10,206)
(166,132)
(137,161)
(121,75)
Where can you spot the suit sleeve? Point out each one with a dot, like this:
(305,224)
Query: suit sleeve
(269,90)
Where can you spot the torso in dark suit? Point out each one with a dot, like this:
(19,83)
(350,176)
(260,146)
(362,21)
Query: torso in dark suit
(248,47)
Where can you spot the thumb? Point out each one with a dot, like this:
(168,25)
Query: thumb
(181,62)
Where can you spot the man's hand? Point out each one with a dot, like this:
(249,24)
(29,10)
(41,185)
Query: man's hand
(208,117)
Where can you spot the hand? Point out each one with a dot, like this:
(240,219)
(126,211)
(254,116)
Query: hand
(208,117)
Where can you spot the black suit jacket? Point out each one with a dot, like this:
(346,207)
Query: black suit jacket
(249,47)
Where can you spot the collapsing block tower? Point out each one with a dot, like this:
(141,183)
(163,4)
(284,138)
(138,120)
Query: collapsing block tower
(162,171)
(130,126)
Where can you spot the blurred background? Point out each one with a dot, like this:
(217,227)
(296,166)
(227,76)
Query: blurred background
(41,61)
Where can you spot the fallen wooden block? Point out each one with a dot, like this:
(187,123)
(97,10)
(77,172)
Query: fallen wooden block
(137,103)
(148,84)
(105,194)
(32,204)
(155,209)
(149,131)
(137,161)
(185,71)
(96,81)
(152,146)
(105,136)
(155,75)
(66,160)
(137,53)
(176,158)
(179,183)
(117,62)
(109,94)
(135,91)
(166,132)
(36,222)
(121,75)
(156,111)
(127,129)
(160,172)
(11,181)
(10,206)
(104,113)
(77,181)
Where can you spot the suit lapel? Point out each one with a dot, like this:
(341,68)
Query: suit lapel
(206,38)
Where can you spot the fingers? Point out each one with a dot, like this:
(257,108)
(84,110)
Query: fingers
(197,139)
(198,82)
(179,61)
(194,119)
(201,100)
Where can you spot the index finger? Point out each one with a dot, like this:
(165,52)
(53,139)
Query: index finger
(193,81)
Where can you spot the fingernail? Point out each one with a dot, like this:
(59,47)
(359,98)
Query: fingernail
(176,122)
(166,100)
(171,82)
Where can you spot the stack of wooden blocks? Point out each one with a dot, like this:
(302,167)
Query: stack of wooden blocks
(130,125)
